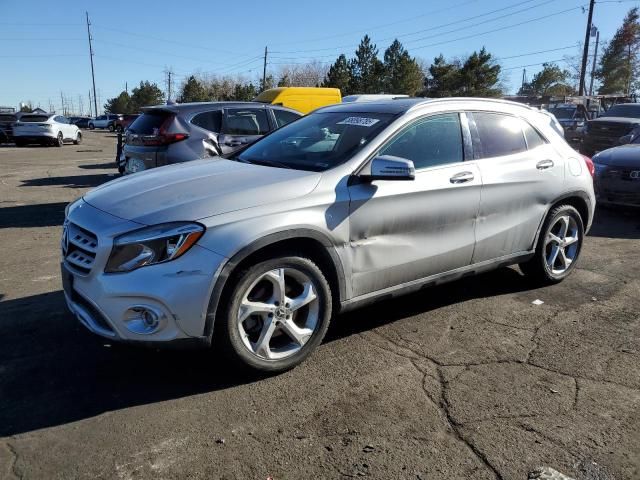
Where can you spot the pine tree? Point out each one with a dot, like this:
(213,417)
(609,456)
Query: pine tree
(480,76)
(144,95)
(620,63)
(339,75)
(551,80)
(402,74)
(193,90)
(367,69)
(119,104)
(444,78)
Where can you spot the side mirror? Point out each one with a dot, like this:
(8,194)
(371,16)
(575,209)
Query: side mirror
(626,139)
(388,167)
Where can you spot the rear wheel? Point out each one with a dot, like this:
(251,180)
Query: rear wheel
(59,140)
(111,127)
(278,313)
(91,126)
(558,247)
(119,129)
(78,139)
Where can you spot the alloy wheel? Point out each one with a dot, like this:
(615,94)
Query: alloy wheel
(562,244)
(278,314)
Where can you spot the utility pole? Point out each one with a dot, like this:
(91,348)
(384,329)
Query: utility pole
(62,103)
(169,73)
(90,114)
(93,76)
(595,57)
(264,70)
(585,54)
(80,105)
(524,78)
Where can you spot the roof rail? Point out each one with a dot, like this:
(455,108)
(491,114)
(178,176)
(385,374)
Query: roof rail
(471,99)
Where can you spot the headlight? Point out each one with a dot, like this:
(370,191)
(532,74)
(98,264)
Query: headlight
(151,245)
(135,165)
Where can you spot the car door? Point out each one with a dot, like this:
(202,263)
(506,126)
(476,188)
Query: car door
(521,175)
(65,127)
(401,231)
(241,126)
(208,125)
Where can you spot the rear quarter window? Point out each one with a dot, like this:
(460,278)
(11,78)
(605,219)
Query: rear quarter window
(499,134)
(284,116)
(211,121)
(534,139)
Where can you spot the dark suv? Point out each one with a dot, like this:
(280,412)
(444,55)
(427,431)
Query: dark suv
(6,126)
(605,132)
(167,134)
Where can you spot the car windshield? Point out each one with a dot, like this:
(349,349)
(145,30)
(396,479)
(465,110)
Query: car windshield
(626,111)
(563,113)
(317,142)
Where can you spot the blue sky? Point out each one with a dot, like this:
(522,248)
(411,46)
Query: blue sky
(45,49)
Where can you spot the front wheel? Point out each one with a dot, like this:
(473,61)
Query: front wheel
(91,126)
(558,247)
(278,313)
(78,139)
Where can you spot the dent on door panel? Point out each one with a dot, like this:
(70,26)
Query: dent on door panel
(399,237)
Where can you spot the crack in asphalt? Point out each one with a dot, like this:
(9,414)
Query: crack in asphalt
(14,460)
(441,404)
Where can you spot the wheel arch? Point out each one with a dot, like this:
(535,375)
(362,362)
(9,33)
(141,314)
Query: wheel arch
(311,243)
(577,199)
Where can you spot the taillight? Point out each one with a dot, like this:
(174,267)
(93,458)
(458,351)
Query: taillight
(590,166)
(163,137)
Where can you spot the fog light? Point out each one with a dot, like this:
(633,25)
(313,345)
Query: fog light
(143,320)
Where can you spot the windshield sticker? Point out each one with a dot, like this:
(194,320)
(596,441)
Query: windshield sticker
(359,121)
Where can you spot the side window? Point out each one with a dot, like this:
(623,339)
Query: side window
(58,119)
(499,134)
(246,121)
(211,121)
(429,142)
(284,116)
(534,139)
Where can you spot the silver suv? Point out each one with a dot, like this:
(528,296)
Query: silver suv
(350,204)
(177,133)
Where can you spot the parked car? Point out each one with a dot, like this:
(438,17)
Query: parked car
(6,126)
(178,133)
(350,204)
(80,122)
(573,121)
(105,122)
(372,97)
(617,179)
(45,129)
(302,99)
(123,123)
(605,131)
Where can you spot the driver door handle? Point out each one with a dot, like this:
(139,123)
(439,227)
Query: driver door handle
(462,177)
(544,164)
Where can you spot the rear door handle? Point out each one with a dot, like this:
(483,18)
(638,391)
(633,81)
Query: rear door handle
(544,164)
(462,177)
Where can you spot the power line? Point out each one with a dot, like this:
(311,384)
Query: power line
(437,27)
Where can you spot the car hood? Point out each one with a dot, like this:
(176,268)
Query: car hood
(198,189)
(622,156)
(630,121)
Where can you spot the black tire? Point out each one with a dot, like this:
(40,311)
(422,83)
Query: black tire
(20,143)
(119,129)
(537,268)
(227,334)
(91,126)
(59,140)
(111,127)
(78,139)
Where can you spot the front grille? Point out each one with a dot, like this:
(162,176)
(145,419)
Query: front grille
(609,129)
(79,248)
(622,174)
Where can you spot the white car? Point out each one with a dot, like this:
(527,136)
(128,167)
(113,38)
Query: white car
(45,129)
(105,121)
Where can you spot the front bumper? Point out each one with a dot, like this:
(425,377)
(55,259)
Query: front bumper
(177,292)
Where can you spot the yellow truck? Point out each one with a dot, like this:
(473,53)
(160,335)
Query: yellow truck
(302,99)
